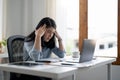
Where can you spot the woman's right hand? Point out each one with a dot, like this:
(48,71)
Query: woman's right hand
(40,32)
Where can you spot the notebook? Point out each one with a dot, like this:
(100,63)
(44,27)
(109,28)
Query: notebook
(87,52)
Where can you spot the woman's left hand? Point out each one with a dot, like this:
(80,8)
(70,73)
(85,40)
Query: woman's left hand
(58,36)
(59,41)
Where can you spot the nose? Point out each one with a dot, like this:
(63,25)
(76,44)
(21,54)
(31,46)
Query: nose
(50,35)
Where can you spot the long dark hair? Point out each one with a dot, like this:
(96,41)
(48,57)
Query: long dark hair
(49,23)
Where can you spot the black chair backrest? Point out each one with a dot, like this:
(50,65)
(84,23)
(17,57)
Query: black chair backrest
(15,45)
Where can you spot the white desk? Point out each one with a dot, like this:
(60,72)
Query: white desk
(86,66)
(98,63)
(57,71)
(54,72)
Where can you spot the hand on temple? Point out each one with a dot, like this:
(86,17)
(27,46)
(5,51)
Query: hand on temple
(40,32)
(58,36)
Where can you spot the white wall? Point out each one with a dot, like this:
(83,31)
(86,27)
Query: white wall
(22,16)
(115,72)
(97,73)
(14,19)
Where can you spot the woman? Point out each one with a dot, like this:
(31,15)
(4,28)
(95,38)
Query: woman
(41,42)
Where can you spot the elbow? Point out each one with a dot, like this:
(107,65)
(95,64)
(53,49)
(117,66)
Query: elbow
(33,55)
(62,55)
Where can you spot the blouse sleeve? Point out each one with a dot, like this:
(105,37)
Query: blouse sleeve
(58,52)
(31,51)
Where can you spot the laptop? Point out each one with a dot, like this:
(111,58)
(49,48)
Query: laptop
(87,52)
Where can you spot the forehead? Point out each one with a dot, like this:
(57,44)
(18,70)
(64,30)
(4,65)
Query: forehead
(51,29)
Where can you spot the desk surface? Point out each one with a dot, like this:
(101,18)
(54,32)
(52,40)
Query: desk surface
(55,70)
(94,63)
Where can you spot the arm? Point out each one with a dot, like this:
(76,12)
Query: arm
(59,41)
(60,52)
(34,48)
(39,33)
(30,52)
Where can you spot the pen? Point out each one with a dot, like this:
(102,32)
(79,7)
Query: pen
(44,61)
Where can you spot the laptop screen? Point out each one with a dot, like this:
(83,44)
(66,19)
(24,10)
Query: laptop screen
(87,50)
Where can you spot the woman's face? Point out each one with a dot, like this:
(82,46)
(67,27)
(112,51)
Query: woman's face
(48,34)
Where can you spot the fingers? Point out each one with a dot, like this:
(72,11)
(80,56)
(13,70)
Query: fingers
(57,35)
(43,28)
(44,25)
(40,32)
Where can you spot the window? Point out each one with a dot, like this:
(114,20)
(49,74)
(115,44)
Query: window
(67,19)
(102,25)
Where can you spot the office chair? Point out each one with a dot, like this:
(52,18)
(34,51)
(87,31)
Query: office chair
(15,48)
(15,52)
